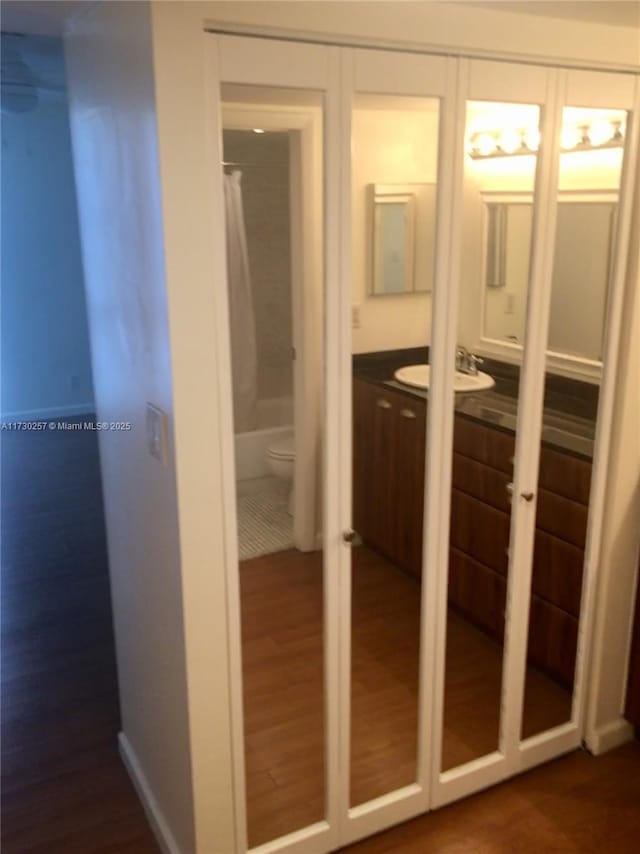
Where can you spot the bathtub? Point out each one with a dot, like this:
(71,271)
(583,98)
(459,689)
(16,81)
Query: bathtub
(274,421)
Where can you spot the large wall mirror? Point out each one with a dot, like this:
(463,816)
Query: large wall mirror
(402,238)
(580,278)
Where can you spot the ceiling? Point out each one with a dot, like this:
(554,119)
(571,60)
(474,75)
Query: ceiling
(38,17)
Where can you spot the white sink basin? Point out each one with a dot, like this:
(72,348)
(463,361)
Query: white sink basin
(417,376)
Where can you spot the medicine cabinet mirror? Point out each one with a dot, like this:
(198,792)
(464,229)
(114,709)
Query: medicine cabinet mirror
(585,229)
(402,236)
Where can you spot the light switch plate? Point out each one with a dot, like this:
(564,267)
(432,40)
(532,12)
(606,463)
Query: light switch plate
(511,303)
(157,433)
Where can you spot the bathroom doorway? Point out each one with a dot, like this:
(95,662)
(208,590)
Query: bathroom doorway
(274,271)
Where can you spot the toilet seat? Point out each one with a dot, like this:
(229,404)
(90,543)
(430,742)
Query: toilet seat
(282,449)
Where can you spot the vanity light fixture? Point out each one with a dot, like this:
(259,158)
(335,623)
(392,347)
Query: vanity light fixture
(518,141)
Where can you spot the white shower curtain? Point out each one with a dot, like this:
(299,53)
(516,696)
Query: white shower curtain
(241,315)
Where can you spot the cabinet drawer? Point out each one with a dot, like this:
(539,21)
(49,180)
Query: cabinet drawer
(557,572)
(477,592)
(553,640)
(480,531)
(482,482)
(565,475)
(563,517)
(487,445)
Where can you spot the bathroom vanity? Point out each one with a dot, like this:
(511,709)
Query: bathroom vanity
(389,467)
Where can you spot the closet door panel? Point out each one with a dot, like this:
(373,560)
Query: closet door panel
(515,84)
(278,151)
(398,112)
(272,62)
(601,90)
(587,259)
(375,71)
(484,511)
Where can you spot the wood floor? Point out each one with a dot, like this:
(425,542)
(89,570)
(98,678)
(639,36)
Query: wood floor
(574,805)
(281,598)
(64,789)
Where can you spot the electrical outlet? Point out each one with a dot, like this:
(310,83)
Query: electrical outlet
(355,317)
(157,433)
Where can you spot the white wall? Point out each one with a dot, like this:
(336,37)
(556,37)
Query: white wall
(390,146)
(46,366)
(111,93)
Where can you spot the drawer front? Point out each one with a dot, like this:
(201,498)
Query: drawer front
(482,482)
(477,592)
(565,475)
(557,572)
(563,517)
(480,531)
(556,515)
(553,640)
(486,445)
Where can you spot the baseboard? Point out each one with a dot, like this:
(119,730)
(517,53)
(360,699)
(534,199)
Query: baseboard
(610,735)
(88,408)
(154,814)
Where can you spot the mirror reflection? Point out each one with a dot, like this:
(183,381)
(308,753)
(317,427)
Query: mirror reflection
(394,139)
(272,183)
(584,235)
(584,243)
(402,264)
(484,441)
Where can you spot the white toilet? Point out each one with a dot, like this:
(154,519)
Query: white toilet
(281,456)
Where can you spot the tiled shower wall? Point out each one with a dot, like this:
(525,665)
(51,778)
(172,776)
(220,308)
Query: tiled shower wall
(265,193)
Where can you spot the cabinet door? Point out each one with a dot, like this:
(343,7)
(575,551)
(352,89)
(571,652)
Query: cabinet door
(362,454)
(381,471)
(632,706)
(410,432)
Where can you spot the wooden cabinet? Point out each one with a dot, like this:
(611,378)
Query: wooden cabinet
(632,705)
(389,459)
(388,462)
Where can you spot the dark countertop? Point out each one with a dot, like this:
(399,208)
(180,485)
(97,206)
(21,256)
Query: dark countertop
(566,428)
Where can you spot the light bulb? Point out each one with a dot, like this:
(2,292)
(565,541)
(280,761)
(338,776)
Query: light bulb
(531,139)
(571,137)
(510,141)
(619,129)
(258,130)
(485,144)
(600,132)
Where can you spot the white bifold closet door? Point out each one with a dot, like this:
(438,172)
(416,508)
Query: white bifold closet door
(283,608)
(519,544)
(399,142)
(411,602)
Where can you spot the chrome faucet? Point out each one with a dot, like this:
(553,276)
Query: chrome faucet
(466,362)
